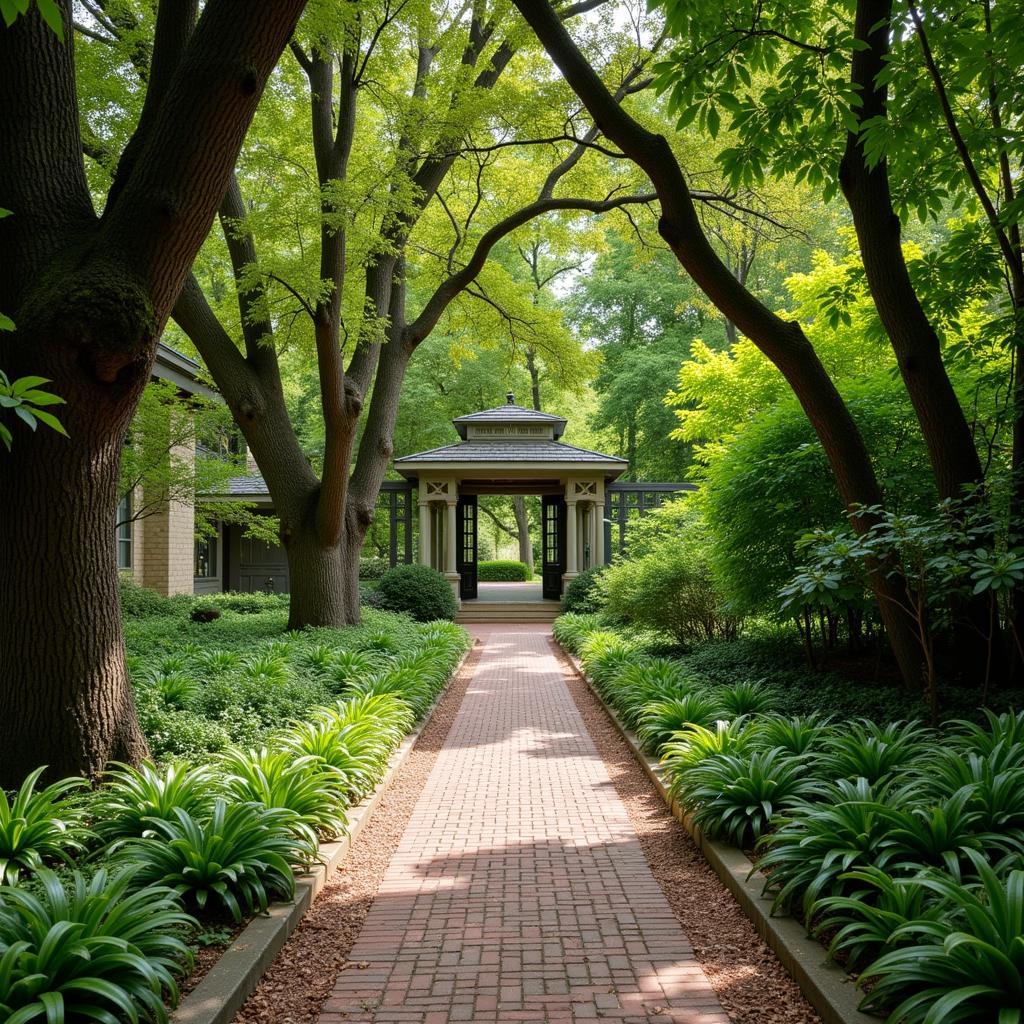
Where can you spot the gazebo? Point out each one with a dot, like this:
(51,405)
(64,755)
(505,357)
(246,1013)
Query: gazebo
(511,450)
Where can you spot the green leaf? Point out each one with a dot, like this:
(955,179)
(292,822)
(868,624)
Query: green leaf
(50,420)
(6,323)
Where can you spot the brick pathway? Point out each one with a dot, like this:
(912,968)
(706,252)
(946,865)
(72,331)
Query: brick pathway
(519,891)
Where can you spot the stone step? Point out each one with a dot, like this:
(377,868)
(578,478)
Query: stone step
(508,611)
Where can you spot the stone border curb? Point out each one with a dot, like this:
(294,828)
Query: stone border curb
(234,977)
(827,987)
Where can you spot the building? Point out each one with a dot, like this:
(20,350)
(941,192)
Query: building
(505,450)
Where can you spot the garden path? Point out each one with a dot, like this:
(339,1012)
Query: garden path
(519,891)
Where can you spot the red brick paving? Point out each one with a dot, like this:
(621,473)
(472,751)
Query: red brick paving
(519,891)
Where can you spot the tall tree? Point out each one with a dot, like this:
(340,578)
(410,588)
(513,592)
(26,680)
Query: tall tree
(783,342)
(412,214)
(90,295)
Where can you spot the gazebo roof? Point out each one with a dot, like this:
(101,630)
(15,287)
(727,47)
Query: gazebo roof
(529,442)
(512,414)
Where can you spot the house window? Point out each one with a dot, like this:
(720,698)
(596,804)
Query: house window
(206,567)
(124,532)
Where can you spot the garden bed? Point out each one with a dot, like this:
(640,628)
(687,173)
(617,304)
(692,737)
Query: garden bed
(267,747)
(899,846)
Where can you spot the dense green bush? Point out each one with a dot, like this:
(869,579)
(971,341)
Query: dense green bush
(140,602)
(373,568)
(418,590)
(771,484)
(502,570)
(583,595)
(671,591)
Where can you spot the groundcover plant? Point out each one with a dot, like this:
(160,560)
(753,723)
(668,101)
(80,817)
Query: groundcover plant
(261,742)
(901,845)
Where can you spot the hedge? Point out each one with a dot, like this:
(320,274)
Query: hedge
(503,571)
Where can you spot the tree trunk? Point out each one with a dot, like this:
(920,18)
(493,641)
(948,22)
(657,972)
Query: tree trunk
(316,574)
(64,688)
(784,343)
(523,530)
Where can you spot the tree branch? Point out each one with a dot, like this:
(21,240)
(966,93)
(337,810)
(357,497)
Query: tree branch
(450,288)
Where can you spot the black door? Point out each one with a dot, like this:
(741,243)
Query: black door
(465,545)
(553,519)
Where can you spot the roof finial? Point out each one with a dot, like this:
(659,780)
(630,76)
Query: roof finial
(511,398)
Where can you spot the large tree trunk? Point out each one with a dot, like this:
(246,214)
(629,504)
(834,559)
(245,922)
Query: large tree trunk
(784,343)
(64,690)
(90,298)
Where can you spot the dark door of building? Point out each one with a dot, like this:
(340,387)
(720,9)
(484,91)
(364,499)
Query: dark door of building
(466,546)
(553,539)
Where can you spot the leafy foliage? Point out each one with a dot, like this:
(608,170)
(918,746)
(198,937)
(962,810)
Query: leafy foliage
(420,591)
(233,861)
(583,594)
(37,825)
(502,570)
(92,950)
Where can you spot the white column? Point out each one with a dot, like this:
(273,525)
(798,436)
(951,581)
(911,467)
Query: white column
(424,533)
(571,542)
(449,540)
(599,533)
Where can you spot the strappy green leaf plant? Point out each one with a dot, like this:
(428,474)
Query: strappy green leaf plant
(870,751)
(235,860)
(41,825)
(965,966)
(862,924)
(130,798)
(797,735)
(735,797)
(745,698)
(662,720)
(816,843)
(91,950)
(277,778)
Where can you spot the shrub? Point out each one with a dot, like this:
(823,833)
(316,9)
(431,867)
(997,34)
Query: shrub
(965,965)
(141,602)
(234,861)
(37,825)
(253,603)
(794,735)
(95,952)
(373,568)
(671,591)
(503,570)
(131,798)
(583,595)
(420,591)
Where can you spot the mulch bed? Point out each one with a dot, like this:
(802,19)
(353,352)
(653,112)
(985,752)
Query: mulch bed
(751,984)
(302,977)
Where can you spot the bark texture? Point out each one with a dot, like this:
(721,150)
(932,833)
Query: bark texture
(783,342)
(90,297)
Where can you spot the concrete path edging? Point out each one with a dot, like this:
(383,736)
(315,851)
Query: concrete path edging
(827,987)
(234,977)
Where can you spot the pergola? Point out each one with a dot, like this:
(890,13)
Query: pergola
(511,450)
